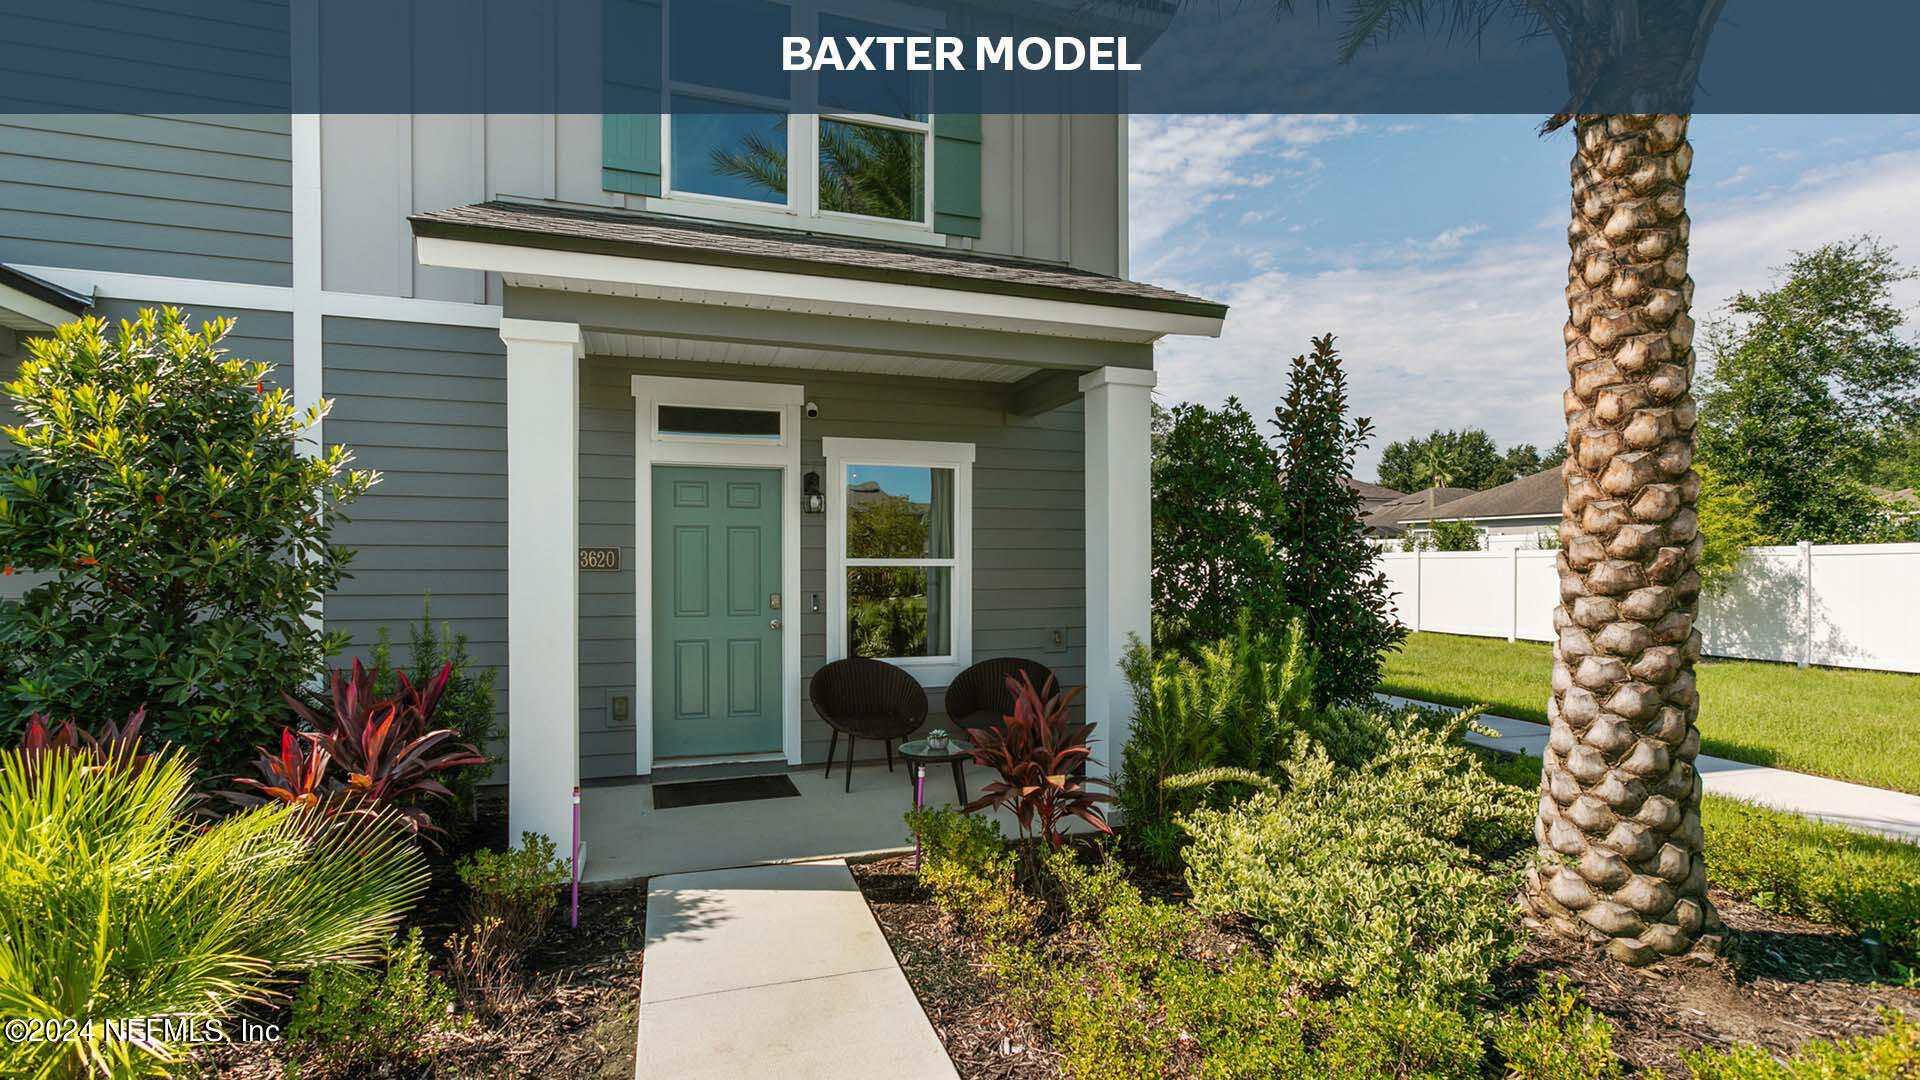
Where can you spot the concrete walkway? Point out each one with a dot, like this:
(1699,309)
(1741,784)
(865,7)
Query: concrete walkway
(1891,813)
(776,972)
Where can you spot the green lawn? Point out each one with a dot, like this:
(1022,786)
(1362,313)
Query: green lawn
(1862,726)
(1787,863)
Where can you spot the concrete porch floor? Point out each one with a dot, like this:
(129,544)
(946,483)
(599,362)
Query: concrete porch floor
(628,838)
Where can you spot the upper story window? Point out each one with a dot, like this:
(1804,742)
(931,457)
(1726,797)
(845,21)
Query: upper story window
(743,146)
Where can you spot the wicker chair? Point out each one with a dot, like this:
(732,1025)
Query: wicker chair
(866,699)
(978,697)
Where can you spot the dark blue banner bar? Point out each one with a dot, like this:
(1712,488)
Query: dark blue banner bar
(910,57)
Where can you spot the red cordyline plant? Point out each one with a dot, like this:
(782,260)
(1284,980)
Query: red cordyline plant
(388,750)
(1040,753)
(116,748)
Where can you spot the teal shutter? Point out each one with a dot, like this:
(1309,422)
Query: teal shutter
(630,111)
(956,173)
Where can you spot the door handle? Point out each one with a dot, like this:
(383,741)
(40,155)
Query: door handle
(774,624)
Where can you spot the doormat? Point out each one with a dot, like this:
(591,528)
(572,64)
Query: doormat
(735,789)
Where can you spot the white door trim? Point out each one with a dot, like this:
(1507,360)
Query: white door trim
(650,449)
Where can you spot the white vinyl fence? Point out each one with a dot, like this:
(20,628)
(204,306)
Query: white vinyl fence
(1840,605)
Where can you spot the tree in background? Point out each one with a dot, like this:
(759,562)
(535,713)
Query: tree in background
(1216,508)
(1467,458)
(1813,386)
(1444,536)
(1327,567)
(157,482)
(1729,525)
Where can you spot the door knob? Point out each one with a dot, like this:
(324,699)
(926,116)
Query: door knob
(775,624)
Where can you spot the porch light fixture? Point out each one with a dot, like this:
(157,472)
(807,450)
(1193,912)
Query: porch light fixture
(811,499)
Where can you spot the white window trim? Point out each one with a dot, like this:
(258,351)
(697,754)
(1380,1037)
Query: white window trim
(651,448)
(932,671)
(802,205)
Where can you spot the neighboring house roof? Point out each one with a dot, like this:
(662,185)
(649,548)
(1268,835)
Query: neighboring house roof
(1373,495)
(30,303)
(677,239)
(1537,495)
(1905,497)
(1416,505)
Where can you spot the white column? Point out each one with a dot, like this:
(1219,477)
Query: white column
(543,599)
(1119,551)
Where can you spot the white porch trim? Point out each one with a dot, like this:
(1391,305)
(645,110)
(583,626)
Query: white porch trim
(1119,552)
(651,448)
(822,294)
(543,592)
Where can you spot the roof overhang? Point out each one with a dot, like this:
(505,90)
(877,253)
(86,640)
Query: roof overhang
(675,279)
(31,305)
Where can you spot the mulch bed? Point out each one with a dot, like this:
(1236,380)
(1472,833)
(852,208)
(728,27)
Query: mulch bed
(1783,982)
(576,1015)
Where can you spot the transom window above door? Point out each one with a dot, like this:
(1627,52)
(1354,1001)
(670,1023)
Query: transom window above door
(771,140)
(900,553)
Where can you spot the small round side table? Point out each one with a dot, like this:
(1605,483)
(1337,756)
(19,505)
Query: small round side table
(957,752)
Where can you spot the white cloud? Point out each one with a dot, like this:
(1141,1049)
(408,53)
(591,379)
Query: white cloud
(1181,165)
(1740,176)
(1476,340)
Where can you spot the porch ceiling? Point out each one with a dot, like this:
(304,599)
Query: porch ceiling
(655,347)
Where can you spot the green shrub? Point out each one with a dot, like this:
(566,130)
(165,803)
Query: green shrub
(1556,1037)
(353,1015)
(1787,863)
(465,706)
(519,888)
(1127,1000)
(970,871)
(115,903)
(1892,1055)
(157,480)
(1397,877)
(1372,1036)
(1235,702)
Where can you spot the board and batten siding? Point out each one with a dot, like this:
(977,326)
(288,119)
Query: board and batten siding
(174,196)
(426,406)
(1029,551)
(1050,188)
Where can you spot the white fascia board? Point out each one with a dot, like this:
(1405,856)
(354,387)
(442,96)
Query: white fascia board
(182,292)
(30,308)
(860,299)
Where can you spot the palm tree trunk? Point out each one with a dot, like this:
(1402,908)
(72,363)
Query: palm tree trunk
(1619,824)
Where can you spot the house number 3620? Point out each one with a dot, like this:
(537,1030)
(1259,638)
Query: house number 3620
(599,558)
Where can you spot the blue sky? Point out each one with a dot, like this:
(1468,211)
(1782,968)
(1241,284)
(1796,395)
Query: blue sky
(1435,247)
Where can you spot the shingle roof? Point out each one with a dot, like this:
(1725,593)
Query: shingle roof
(1414,506)
(1373,492)
(687,240)
(1537,495)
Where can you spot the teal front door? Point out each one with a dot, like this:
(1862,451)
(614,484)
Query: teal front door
(716,613)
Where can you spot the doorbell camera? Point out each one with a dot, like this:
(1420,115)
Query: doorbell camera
(813,410)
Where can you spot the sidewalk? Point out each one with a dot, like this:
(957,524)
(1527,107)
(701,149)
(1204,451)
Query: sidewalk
(1891,813)
(778,972)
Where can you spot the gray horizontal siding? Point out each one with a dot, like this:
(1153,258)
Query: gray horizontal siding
(1028,539)
(194,197)
(426,406)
